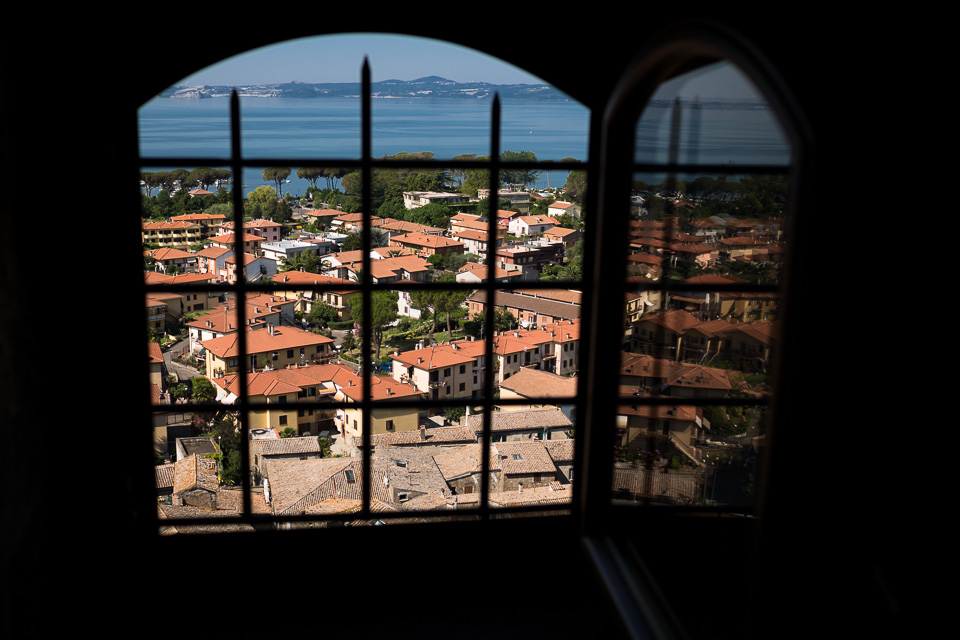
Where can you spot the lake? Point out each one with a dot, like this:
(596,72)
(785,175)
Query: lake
(330,128)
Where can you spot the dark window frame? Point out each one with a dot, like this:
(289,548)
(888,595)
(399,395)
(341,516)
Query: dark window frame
(589,499)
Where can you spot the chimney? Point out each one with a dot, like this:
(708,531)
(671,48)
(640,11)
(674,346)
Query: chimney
(270,329)
(388,392)
(423,433)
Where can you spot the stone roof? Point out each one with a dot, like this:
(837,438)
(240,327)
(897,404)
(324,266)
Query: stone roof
(524,457)
(410,470)
(195,472)
(163,475)
(534,383)
(284,446)
(229,504)
(537,495)
(532,419)
(655,484)
(676,320)
(425,437)
(298,485)
(538,305)
(291,480)
(560,450)
(687,413)
(694,375)
(199,445)
(463,461)
(427,502)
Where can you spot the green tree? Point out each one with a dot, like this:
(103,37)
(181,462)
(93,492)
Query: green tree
(392,209)
(276,175)
(453,414)
(221,209)
(333,175)
(310,174)
(435,214)
(458,175)
(288,432)
(152,180)
(225,433)
(383,311)
(177,177)
(261,197)
(453,261)
(451,300)
(322,313)
(324,446)
(518,176)
(179,391)
(202,390)
(474,179)
(575,189)
(573,269)
(352,242)
(278,211)
(307,261)
(201,177)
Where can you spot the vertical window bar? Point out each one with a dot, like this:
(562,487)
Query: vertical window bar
(490,288)
(240,292)
(366,281)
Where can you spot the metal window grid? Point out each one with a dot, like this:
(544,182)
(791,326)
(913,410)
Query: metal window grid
(603,285)
(365,165)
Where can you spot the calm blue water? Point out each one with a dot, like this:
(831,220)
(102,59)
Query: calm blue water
(713,136)
(311,128)
(305,128)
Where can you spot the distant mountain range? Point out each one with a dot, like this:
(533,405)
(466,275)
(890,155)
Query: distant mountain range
(421,88)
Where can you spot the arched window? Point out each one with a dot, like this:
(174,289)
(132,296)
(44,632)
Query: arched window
(684,268)
(534,284)
(698,181)
(704,335)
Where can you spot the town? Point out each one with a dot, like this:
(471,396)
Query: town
(698,338)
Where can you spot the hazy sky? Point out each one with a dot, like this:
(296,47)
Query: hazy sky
(719,80)
(338,58)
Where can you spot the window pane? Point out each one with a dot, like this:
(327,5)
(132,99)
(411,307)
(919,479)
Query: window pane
(298,389)
(687,454)
(705,254)
(713,115)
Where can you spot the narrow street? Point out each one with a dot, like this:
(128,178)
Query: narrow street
(182,372)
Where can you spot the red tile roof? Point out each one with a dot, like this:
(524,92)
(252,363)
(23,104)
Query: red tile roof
(261,341)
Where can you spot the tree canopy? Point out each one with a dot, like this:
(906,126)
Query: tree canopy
(310,174)
(383,311)
(307,261)
(276,175)
(518,176)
